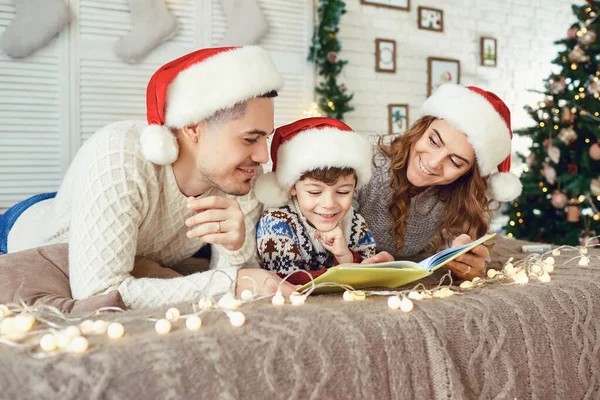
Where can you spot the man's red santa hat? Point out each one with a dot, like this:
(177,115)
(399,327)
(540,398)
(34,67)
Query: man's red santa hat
(485,119)
(309,144)
(194,87)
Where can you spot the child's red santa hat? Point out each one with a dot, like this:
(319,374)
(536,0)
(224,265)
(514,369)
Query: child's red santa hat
(194,87)
(307,145)
(485,119)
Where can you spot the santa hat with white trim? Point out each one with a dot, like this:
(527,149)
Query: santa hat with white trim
(309,144)
(194,87)
(485,119)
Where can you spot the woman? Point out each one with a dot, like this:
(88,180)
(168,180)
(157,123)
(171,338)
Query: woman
(442,179)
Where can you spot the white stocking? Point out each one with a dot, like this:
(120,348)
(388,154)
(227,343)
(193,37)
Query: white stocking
(151,24)
(246,23)
(36,23)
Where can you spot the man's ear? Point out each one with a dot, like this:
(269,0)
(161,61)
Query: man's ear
(193,133)
(293,191)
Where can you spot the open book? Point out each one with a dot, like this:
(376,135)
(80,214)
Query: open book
(390,274)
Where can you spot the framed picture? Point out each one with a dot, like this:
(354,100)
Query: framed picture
(397,4)
(489,51)
(385,55)
(397,118)
(431,19)
(440,71)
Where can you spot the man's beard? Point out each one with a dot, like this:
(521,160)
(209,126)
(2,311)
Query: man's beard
(229,184)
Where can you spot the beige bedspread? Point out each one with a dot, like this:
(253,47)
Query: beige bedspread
(537,341)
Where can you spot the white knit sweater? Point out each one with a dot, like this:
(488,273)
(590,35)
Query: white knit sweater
(114,205)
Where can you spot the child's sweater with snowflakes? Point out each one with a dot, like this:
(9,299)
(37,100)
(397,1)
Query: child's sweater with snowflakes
(287,242)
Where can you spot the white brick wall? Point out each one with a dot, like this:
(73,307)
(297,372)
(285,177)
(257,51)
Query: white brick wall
(525,30)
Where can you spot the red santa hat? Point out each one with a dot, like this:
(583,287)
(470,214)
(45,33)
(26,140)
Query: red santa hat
(485,119)
(309,144)
(194,87)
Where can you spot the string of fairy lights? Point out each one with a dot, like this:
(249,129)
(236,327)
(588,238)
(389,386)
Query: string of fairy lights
(44,331)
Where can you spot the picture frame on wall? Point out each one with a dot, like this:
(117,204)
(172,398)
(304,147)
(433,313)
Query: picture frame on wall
(397,118)
(489,51)
(385,55)
(431,19)
(440,71)
(395,4)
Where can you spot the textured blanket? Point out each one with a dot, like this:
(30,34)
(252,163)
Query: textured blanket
(538,341)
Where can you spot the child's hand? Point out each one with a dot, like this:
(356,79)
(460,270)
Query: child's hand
(335,242)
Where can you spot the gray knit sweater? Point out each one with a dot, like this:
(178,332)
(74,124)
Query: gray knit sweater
(372,202)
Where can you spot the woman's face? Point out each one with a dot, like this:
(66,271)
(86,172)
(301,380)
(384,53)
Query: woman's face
(442,155)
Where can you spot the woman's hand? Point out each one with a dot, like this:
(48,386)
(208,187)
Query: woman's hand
(335,243)
(472,264)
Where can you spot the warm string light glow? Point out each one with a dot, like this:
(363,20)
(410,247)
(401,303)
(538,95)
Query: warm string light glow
(45,331)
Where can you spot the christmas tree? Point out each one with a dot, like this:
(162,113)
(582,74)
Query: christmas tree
(561,183)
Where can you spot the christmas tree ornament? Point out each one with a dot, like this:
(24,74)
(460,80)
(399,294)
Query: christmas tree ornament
(554,154)
(549,102)
(332,57)
(246,23)
(549,173)
(572,169)
(577,55)
(36,23)
(595,186)
(567,117)
(559,200)
(594,87)
(567,135)
(588,38)
(572,31)
(151,24)
(595,151)
(558,84)
(530,159)
(573,211)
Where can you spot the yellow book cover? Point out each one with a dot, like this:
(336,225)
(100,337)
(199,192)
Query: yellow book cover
(390,274)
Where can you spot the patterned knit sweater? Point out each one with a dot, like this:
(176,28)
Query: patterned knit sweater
(114,205)
(286,241)
(372,202)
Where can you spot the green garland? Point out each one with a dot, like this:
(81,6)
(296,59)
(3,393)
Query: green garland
(333,99)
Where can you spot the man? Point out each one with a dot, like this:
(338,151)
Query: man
(165,189)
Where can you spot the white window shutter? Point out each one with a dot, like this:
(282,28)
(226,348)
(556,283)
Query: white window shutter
(53,101)
(30,119)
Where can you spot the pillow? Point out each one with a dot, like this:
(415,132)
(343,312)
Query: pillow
(41,275)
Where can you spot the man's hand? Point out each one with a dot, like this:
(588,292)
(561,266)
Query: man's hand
(335,242)
(471,264)
(267,282)
(382,256)
(218,220)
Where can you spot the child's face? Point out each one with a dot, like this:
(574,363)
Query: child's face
(322,205)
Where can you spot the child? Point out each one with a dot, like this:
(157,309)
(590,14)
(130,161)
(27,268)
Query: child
(310,223)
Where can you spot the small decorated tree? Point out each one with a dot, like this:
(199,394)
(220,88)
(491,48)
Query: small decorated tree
(561,183)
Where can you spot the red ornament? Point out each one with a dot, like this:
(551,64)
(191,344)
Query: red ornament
(331,57)
(572,169)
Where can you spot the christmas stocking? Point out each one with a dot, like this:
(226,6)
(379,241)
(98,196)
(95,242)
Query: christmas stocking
(152,23)
(246,22)
(36,23)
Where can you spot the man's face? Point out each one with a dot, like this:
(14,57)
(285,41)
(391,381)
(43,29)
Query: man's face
(229,154)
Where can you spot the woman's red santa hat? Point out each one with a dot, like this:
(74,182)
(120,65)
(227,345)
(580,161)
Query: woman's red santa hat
(194,87)
(307,145)
(485,119)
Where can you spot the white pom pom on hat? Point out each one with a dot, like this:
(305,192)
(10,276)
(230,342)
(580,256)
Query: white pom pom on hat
(195,86)
(485,119)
